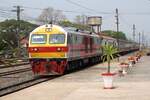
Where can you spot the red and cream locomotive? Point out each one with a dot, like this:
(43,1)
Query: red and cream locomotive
(54,49)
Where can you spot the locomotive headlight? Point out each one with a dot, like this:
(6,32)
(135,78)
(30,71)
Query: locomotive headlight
(35,49)
(58,49)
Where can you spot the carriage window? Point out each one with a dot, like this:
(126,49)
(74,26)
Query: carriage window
(56,38)
(79,41)
(38,38)
(105,43)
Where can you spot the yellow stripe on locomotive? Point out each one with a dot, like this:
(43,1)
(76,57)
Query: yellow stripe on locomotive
(48,55)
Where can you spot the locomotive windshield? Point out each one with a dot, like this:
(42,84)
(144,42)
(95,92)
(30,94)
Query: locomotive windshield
(38,39)
(56,38)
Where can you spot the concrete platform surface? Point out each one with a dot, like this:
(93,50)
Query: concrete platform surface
(88,85)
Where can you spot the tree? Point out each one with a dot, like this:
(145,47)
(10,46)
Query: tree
(67,23)
(109,52)
(8,30)
(51,15)
(81,19)
(114,34)
(58,16)
(3,45)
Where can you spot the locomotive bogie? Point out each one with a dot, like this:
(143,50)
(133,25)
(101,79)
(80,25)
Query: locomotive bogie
(48,66)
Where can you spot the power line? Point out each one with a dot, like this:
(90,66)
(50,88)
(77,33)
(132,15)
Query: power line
(91,11)
(33,8)
(6,14)
(71,11)
(136,13)
(5,10)
(68,11)
(81,6)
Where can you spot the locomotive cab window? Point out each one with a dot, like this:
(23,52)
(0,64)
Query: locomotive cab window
(38,38)
(57,39)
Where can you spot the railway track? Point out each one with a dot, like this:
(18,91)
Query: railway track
(23,80)
(23,85)
(14,72)
(21,71)
(15,65)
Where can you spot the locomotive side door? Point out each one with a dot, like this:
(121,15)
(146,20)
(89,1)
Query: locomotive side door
(70,47)
(86,44)
(91,44)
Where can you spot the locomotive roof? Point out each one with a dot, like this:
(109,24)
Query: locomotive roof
(77,31)
(59,29)
(111,38)
(107,37)
(49,28)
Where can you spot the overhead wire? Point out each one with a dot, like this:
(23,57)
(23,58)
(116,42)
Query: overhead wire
(89,9)
(25,16)
(126,22)
(136,13)
(89,12)
(68,11)
(6,14)
(93,11)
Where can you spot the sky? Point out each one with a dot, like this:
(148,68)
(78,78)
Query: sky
(130,12)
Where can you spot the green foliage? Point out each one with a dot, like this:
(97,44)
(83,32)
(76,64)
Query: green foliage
(11,26)
(8,30)
(109,51)
(2,44)
(66,23)
(114,34)
(78,26)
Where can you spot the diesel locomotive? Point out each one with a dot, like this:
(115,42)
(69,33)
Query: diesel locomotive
(54,49)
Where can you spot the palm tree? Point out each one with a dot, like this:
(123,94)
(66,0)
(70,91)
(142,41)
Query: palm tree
(109,51)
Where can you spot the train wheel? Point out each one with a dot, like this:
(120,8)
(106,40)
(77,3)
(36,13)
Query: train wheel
(62,70)
(36,75)
(80,64)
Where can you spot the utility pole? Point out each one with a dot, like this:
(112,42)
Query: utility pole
(18,11)
(139,41)
(134,32)
(143,39)
(117,23)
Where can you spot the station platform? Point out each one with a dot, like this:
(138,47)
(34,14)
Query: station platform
(87,84)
